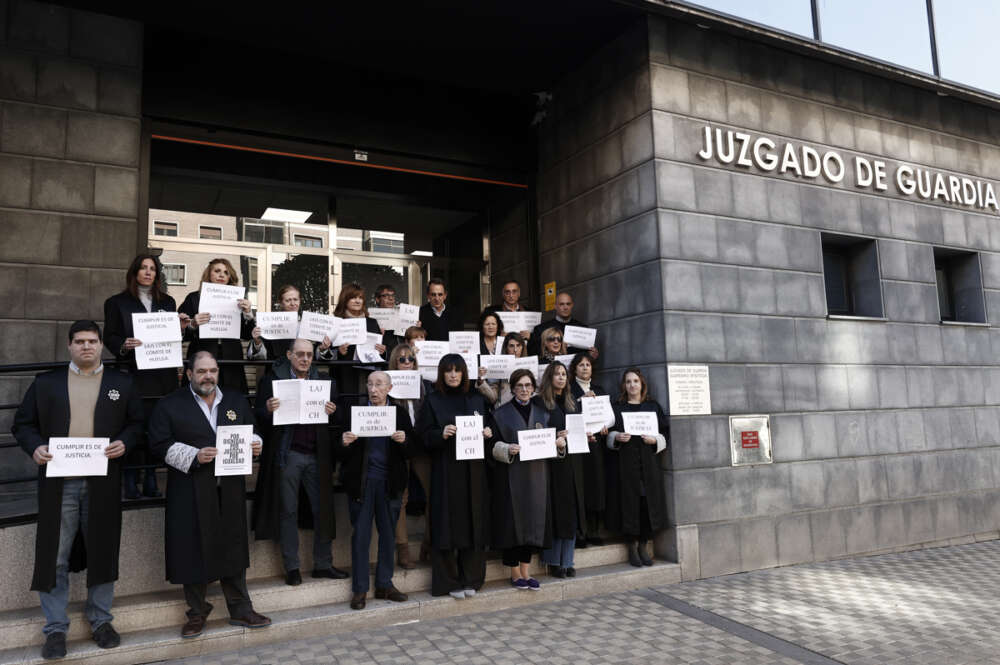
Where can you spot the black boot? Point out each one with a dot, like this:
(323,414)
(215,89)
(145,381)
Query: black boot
(633,554)
(643,555)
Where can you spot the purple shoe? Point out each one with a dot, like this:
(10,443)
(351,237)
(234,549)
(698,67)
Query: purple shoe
(520,584)
(533,584)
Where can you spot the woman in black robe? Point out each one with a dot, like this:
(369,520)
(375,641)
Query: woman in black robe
(219,271)
(522,515)
(567,488)
(459,501)
(637,507)
(582,385)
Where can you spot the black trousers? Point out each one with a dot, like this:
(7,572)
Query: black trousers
(233,588)
(454,570)
(645,528)
(520,554)
(593,526)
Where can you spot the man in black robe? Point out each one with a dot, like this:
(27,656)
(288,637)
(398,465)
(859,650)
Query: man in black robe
(79,518)
(206,525)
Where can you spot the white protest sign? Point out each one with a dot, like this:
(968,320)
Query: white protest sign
(235,458)
(541,370)
(463,341)
(156,327)
(315,327)
(315,395)
(72,456)
(529,363)
(566,359)
(405,384)
(469,437)
(498,347)
(219,300)
(386,317)
(498,367)
(597,411)
(352,331)
(429,354)
(518,321)
(576,434)
(156,355)
(640,423)
(689,390)
(367,351)
(373,420)
(579,337)
(288,392)
(407,315)
(278,325)
(537,443)
(472,364)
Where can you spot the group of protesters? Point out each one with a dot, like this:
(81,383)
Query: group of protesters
(603,478)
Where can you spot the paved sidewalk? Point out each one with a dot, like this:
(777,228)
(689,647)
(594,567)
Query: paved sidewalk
(928,606)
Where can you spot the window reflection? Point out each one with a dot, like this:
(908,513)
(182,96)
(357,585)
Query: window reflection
(967,46)
(793,16)
(892,30)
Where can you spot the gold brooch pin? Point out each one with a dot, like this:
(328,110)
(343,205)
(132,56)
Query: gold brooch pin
(231,415)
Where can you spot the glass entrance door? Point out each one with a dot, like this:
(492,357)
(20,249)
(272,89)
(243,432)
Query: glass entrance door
(372,269)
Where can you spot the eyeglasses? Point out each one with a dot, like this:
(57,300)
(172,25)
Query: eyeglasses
(406,359)
(555,339)
(303,354)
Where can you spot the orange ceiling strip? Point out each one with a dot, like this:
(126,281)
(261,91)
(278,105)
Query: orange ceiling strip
(331,160)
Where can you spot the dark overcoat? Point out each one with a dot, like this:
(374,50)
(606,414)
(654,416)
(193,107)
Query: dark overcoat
(277,443)
(118,311)
(634,469)
(594,478)
(44,413)
(206,518)
(522,512)
(230,376)
(354,467)
(459,492)
(566,490)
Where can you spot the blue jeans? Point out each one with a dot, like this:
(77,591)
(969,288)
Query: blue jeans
(375,504)
(75,510)
(561,553)
(300,468)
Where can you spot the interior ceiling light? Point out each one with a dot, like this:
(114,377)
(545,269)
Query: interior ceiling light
(282,215)
(421,252)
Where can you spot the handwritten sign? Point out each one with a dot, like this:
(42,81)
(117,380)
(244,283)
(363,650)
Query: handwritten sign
(689,390)
(537,443)
(640,423)
(235,457)
(579,337)
(73,456)
(498,367)
(315,326)
(405,384)
(429,354)
(576,434)
(469,437)
(368,421)
(300,402)
(463,341)
(219,300)
(386,317)
(407,315)
(278,325)
(597,411)
(351,331)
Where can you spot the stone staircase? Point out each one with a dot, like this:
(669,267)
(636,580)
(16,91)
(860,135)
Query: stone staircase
(150,622)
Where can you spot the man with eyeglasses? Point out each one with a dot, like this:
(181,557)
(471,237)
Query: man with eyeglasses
(385,296)
(295,456)
(374,476)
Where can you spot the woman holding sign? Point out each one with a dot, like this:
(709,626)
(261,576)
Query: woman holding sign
(144,294)
(552,345)
(565,475)
(491,333)
(637,507)
(351,305)
(522,516)
(582,385)
(218,271)
(451,426)
(498,393)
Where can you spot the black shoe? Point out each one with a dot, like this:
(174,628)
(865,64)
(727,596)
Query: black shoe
(556,571)
(293,577)
(633,555)
(643,555)
(151,491)
(581,543)
(391,593)
(332,573)
(106,636)
(55,646)
(595,541)
(571,572)
(132,493)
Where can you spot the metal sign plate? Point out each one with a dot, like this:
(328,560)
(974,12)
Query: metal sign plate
(750,439)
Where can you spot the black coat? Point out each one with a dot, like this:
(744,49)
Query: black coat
(44,413)
(594,478)
(535,344)
(459,492)
(567,491)
(277,438)
(522,512)
(348,377)
(634,467)
(206,520)
(354,467)
(118,311)
(438,327)
(230,376)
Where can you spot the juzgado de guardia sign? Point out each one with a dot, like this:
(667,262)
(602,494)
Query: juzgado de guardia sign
(741,149)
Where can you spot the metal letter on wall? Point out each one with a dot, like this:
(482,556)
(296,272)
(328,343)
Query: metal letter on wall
(750,440)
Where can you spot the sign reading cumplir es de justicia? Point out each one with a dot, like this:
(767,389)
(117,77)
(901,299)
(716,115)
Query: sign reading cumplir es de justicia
(728,146)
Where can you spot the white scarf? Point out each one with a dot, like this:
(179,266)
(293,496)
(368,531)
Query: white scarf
(146,296)
(583,384)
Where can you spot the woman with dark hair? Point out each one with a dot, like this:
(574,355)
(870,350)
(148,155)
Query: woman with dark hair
(459,501)
(491,333)
(567,484)
(498,393)
(219,271)
(351,305)
(637,507)
(581,371)
(144,292)
(522,515)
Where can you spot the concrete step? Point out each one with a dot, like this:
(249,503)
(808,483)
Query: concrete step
(164,641)
(166,608)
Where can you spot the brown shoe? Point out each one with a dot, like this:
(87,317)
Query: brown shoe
(193,627)
(358,601)
(250,620)
(403,556)
(392,593)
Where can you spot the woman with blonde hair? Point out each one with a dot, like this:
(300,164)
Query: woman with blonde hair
(552,345)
